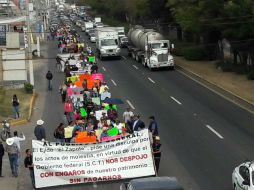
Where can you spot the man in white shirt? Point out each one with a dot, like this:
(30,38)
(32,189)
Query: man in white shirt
(127,115)
(18,139)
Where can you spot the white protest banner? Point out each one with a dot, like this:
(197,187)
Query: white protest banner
(64,163)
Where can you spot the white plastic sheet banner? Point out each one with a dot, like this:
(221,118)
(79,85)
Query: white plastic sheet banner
(64,163)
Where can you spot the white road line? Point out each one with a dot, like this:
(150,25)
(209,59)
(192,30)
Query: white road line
(151,80)
(104,69)
(130,104)
(124,57)
(113,82)
(215,132)
(135,67)
(175,100)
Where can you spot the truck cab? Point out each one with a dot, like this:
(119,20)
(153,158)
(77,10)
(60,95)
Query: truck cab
(157,55)
(152,183)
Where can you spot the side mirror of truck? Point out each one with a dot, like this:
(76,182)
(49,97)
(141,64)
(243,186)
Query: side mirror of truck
(146,48)
(172,46)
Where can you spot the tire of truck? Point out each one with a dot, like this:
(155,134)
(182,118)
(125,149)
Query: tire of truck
(133,55)
(143,62)
(101,58)
(34,53)
(137,58)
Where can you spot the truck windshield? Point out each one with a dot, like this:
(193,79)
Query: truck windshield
(109,42)
(121,34)
(159,45)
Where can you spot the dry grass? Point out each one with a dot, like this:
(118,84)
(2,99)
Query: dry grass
(6,103)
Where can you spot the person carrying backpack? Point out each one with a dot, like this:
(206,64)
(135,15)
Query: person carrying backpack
(49,77)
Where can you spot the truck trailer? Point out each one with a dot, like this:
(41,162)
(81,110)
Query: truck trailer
(150,48)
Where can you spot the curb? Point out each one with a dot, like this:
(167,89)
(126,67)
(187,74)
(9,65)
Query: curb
(32,100)
(24,121)
(240,103)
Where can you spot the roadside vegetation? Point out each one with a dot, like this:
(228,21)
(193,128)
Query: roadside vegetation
(201,27)
(6,103)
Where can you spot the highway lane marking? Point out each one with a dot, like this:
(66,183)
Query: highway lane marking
(175,100)
(103,68)
(113,82)
(151,80)
(135,67)
(124,57)
(130,104)
(214,131)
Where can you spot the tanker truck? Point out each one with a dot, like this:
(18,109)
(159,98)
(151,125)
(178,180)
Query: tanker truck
(150,48)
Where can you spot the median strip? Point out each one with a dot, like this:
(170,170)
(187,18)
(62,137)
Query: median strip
(135,67)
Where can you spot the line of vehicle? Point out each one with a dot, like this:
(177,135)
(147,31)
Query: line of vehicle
(214,131)
(177,101)
(104,69)
(130,104)
(113,82)
(124,57)
(151,80)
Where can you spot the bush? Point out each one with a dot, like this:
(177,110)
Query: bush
(177,51)
(240,69)
(250,75)
(194,53)
(28,88)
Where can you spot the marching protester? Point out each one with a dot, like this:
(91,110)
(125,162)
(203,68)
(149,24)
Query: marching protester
(153,126)
(137,124)
(13,153)
(157,152)
(127,116)
(49,77)
(1,157)
(17,139)
(63,89)
(15,106)
(28,162)
(69,110)
(39,130)
(59,133)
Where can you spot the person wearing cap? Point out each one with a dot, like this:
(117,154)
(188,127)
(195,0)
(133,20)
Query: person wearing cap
(1,157)
(153,126)
(157,152)
(39,130)
(103,87)
(13,153)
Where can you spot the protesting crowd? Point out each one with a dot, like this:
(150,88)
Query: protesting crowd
(92,115)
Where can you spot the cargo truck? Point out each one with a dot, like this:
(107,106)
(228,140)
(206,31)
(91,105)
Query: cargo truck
(107,44)
(150,48)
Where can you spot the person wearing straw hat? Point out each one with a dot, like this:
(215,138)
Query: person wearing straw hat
(39,130)
(13,153)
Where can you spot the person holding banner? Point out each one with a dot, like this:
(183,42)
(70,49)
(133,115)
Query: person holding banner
(28,162)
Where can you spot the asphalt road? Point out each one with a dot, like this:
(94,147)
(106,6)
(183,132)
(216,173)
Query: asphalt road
(204,136)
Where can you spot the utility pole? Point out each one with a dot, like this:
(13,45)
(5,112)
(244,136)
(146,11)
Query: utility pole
(29,61)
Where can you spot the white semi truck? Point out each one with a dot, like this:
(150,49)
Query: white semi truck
(149,48)
(107,43)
